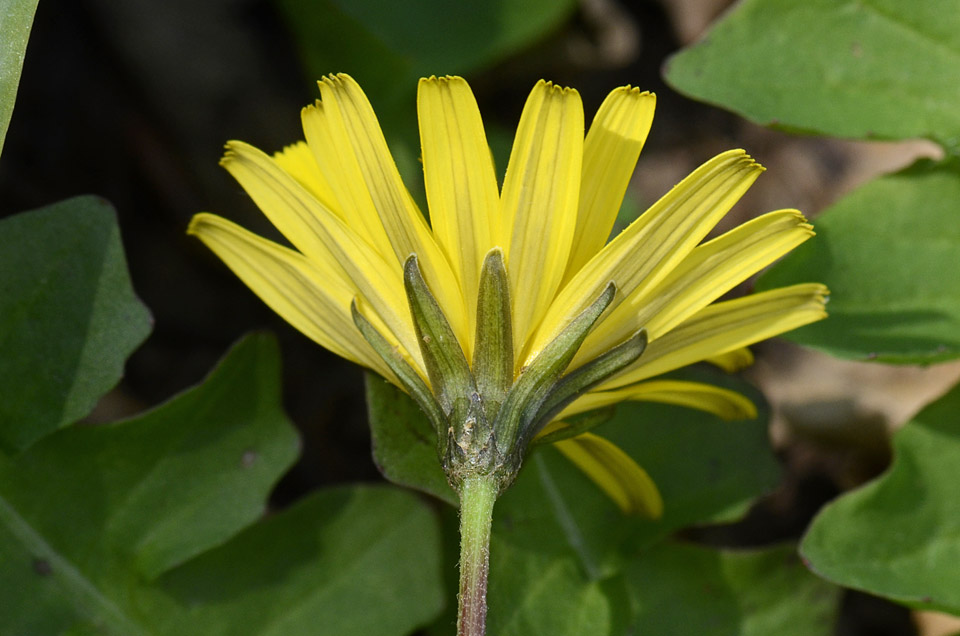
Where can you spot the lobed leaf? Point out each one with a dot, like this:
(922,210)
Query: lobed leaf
(147,527)
(885,252)
(352,560)
(899,536)
(68,316)
(560,546)
(89,510)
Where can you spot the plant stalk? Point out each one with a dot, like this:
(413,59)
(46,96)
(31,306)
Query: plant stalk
(477,496)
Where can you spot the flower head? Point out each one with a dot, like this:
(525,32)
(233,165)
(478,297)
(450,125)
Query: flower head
(510,313)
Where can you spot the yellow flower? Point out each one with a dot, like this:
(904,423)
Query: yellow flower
(339,199)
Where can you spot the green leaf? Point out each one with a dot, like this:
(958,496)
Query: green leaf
(899,536)
(404,442)
(90,510)
(886,252)
(554,555)
(685,589)
(16,19)
(559,544)
(708,470)
(350,560)
(390,44)
(542,593)
(68,316)
(848,68)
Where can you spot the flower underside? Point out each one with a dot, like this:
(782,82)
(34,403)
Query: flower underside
(510,319)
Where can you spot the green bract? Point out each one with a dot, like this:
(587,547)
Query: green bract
(483,421)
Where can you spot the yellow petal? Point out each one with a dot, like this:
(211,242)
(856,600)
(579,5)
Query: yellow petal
(324,238)
(345,179)
(708,272)
(648,250)
(732,361)
(615,473)
(727,326)
(358,140)
(723,403)
(539,202)
(314,299)
(297,160)
(460,180)
(610,154)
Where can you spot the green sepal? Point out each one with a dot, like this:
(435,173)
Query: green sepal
(533,386)
(446,365)
(576,425)
(412,383)
(493,355)
(577,382)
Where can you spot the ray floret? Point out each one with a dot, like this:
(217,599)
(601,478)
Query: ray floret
(509,318)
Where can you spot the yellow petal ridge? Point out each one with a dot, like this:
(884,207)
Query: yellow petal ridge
(732,361)
(721,402)
(539,202)
(709,271)
(344,177)
(610,153)
(650,247)
(356,137)
(324,237)
(621,478)
(297,160)
(314,300)
(727,326)
(460,181)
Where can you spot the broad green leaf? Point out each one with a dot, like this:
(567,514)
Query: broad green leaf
(544,593)
(347,561)
(555,525)
(708,470)
(899,536)
(16,18)
(330,40)
(388,46)
(888,253)
(553,555)
(89,511)
(404,443)
(457,36)
(848,68)
(684,589)
(68,316)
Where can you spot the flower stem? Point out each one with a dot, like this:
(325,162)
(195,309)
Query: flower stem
(477,496)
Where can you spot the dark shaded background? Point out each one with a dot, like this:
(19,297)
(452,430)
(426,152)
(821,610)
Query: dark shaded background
(134,100)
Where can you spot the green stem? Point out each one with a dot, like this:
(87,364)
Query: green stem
(477,496)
